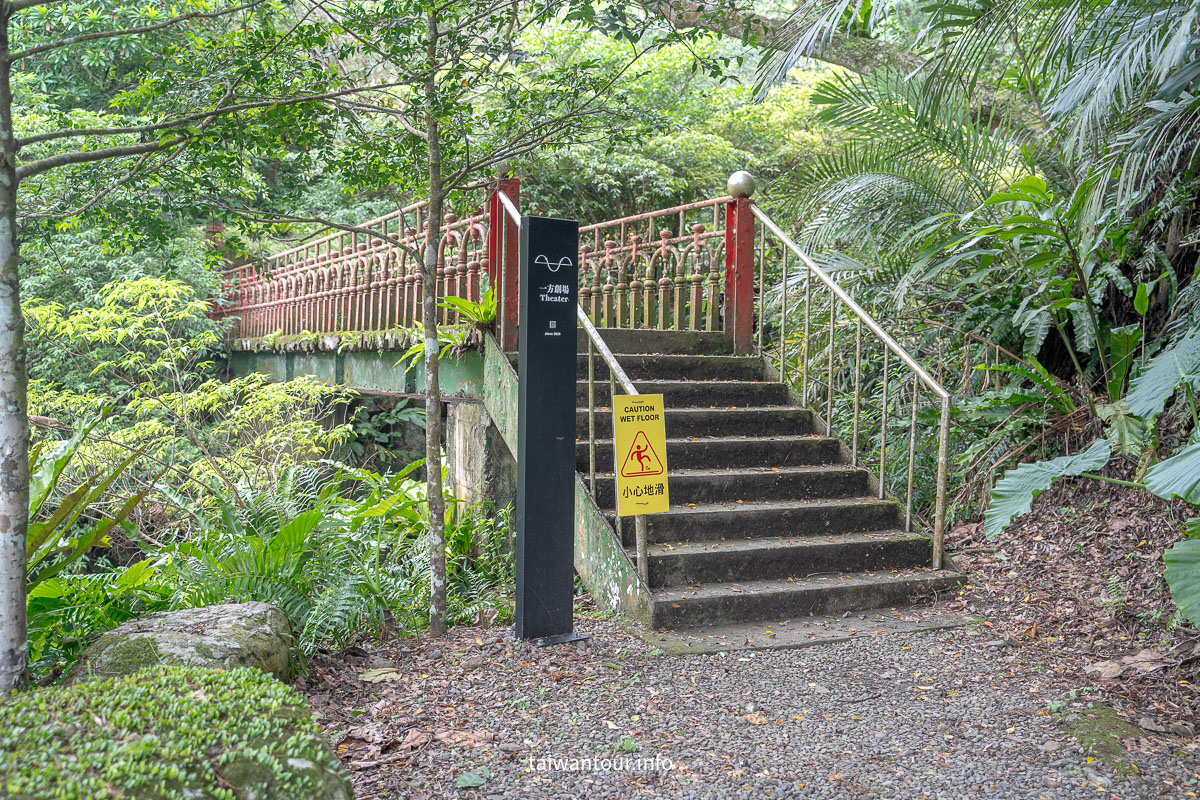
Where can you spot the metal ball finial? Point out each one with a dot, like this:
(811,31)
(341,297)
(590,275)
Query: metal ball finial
(741,184)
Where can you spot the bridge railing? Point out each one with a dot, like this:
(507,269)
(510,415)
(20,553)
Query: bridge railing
(354,281)
(661,270)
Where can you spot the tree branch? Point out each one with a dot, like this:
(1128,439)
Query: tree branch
(91,37)
(96,198)
(21,5)
(856,53)
(86,156)
(274,219)
(197,117)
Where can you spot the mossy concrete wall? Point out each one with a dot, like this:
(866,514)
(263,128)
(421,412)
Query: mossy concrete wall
(485,376)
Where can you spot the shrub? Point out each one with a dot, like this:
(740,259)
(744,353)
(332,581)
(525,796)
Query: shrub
(166,733)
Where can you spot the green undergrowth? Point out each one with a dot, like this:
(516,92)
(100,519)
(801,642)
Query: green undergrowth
(165,734)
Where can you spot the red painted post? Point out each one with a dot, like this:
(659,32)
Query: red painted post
(503,269)
(739,274)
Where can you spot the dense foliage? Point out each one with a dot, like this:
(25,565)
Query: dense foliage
(1020,198)
(158,734)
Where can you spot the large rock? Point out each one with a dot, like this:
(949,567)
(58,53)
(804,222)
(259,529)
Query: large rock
(217,637)
(170,732)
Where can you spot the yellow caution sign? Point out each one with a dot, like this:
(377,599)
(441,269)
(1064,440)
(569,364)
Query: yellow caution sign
(640,450)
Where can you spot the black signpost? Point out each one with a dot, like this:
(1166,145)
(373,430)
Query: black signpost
(546,430)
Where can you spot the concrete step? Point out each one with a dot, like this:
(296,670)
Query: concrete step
(785,557)
(690,422)
(745,601)
(754,483)
(628,340)
(712,522)
(730,452)
(697,394)
(679,367)
(782,633)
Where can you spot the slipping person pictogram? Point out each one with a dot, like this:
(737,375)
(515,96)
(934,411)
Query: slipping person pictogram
(641,459)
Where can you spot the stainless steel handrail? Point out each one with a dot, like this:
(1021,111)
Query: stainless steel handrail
(858,311)
(500,289)
(509,207)
(616,376)
(862,318)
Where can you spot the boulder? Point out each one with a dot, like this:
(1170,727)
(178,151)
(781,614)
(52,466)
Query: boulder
(177,733)
(216,637)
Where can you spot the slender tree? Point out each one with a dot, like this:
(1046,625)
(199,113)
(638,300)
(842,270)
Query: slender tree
(209,85)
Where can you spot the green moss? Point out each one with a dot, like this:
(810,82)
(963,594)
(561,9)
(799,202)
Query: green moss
(1102,732)
(124,655)
(167,733)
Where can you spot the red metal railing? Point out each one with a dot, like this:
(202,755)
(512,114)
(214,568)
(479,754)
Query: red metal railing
(660,270)
(657,270)
(350,282)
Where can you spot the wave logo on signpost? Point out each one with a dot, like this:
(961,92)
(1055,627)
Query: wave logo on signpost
(640,450)
(553,266)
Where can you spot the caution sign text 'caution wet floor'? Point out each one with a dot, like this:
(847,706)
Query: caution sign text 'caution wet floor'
(640,449)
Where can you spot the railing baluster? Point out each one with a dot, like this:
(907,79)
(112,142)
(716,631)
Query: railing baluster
(592,417)
(783,312)
(832,336)
(857,389)
(609,288)
(939,521)
(762,298)
(612,393)
(621,298)
(883,415)
(804,346)
(679,322)
(697,278)
(912,456)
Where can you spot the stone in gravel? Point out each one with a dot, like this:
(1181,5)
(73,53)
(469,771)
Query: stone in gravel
(508,747)
(1050,746)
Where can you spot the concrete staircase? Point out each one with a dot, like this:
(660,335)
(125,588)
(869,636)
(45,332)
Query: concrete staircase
(768,521)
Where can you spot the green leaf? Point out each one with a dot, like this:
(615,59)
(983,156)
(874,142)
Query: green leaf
(1178,476)
(293,534)
(1192,528)
(472,778)
(1122,342)
(1183,576)
(1015,492)
(1141,299)
(1129,434)
(45,472)
(1156,384)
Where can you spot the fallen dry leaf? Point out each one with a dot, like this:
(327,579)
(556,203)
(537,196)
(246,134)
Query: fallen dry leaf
(468,738)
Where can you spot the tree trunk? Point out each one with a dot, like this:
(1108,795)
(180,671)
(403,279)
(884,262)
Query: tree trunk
(433,394)
(14,424)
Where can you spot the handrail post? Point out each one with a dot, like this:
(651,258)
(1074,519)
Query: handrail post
(943,467)
(643,559)
(504,261)
(739,263)
(592,417)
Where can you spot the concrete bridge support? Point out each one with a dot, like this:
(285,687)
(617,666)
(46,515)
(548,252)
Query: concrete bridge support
(481,466)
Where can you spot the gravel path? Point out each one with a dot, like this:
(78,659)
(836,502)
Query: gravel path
(935,715)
